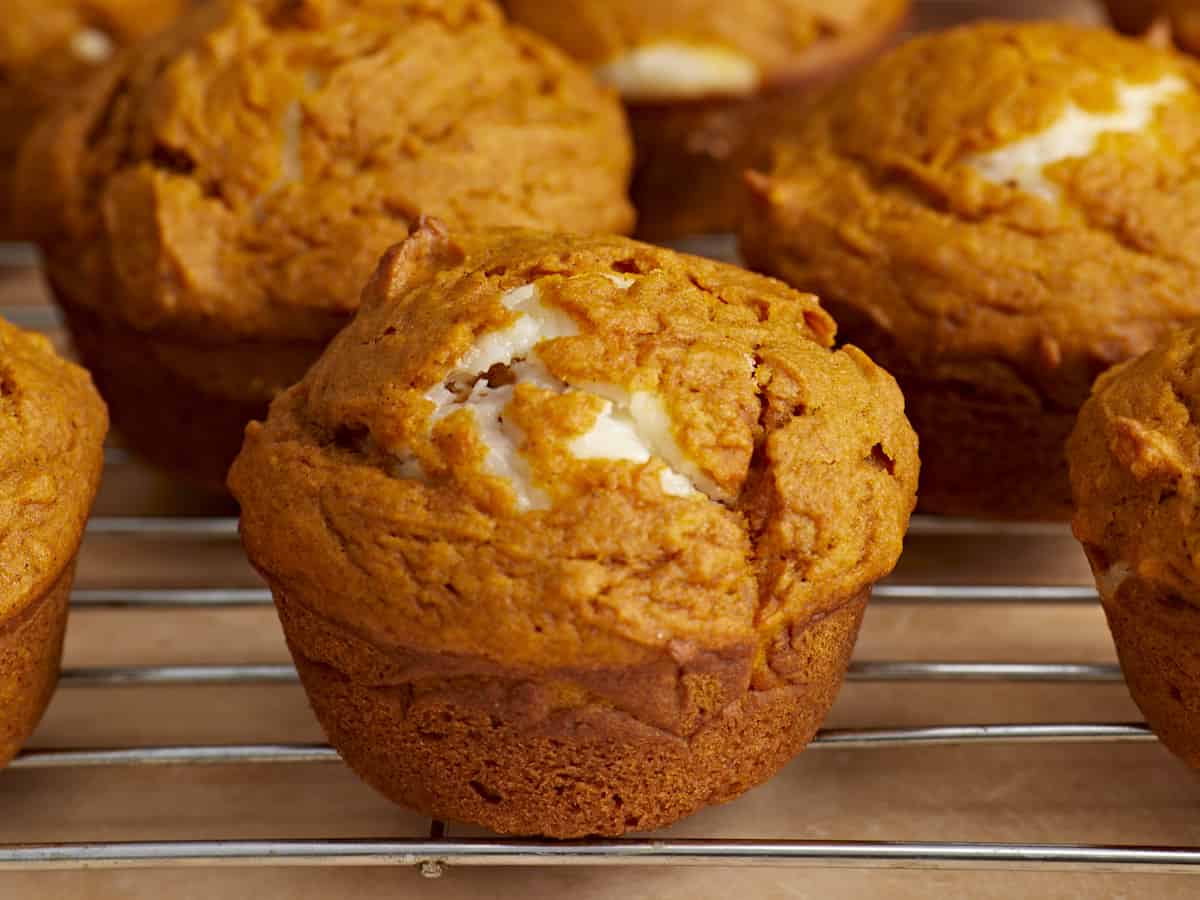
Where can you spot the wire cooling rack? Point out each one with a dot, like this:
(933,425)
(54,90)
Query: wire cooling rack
(432,854)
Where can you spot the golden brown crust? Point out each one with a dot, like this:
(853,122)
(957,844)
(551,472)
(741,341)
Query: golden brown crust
(1135,463)
(780,36)
(780,424)
(400,559)
(238,177)
(45,52)
(960,285)
(522,756)
(30,651)
(52,427)
(1157,634)
(1135,466)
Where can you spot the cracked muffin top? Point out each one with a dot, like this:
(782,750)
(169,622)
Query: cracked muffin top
(1018,233)
(1135,469)
(47,46)
(543,451)
(241,174)
(682,49)
(52,428)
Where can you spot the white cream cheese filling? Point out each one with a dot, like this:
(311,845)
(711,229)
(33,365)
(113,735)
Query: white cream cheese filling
(1074,135)
(92,45)
(291,165)
(634,427)
(671,70)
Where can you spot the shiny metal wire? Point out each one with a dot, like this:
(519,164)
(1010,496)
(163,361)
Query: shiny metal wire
(430,856)
(862,671)
(185,598)
(831,739)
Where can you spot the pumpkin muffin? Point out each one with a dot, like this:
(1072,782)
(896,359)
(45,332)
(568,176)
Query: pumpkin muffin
(46,47)
(1135,475)
(998,245)
(210,206)
(573,535)
(704,82)
(52,427)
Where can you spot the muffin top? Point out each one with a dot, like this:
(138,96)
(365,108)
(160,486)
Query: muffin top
(1135,468)
(52,427)
(47,46)
(1018,233)
(241,174)
(537,451)
(682,49)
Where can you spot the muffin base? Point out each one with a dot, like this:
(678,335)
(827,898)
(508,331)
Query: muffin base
(1157,636)
(691,154)
(30,654)
(690,159)
(467,750)
(191,427)
(986,459)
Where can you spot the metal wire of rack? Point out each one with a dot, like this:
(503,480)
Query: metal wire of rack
(431,855)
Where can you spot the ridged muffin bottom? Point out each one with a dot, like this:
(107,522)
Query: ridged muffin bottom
(467,749)
(986,459)
(1157,636)
(30,654)
(183,425)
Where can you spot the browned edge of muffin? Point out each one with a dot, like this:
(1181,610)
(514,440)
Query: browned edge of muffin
(493,750)
(30,653)
(174,422)
(1157,636)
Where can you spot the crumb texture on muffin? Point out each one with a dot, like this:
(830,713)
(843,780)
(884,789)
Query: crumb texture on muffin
(559,523)
(52,426)
(995,246)
(685,459)
(1015,235)
(688,49)
(1135,470)
(1135,465)
(486,380)
(239,176)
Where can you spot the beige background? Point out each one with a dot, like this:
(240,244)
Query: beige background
(1101,793)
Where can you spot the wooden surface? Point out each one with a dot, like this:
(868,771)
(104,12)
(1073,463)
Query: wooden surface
(1103,793)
